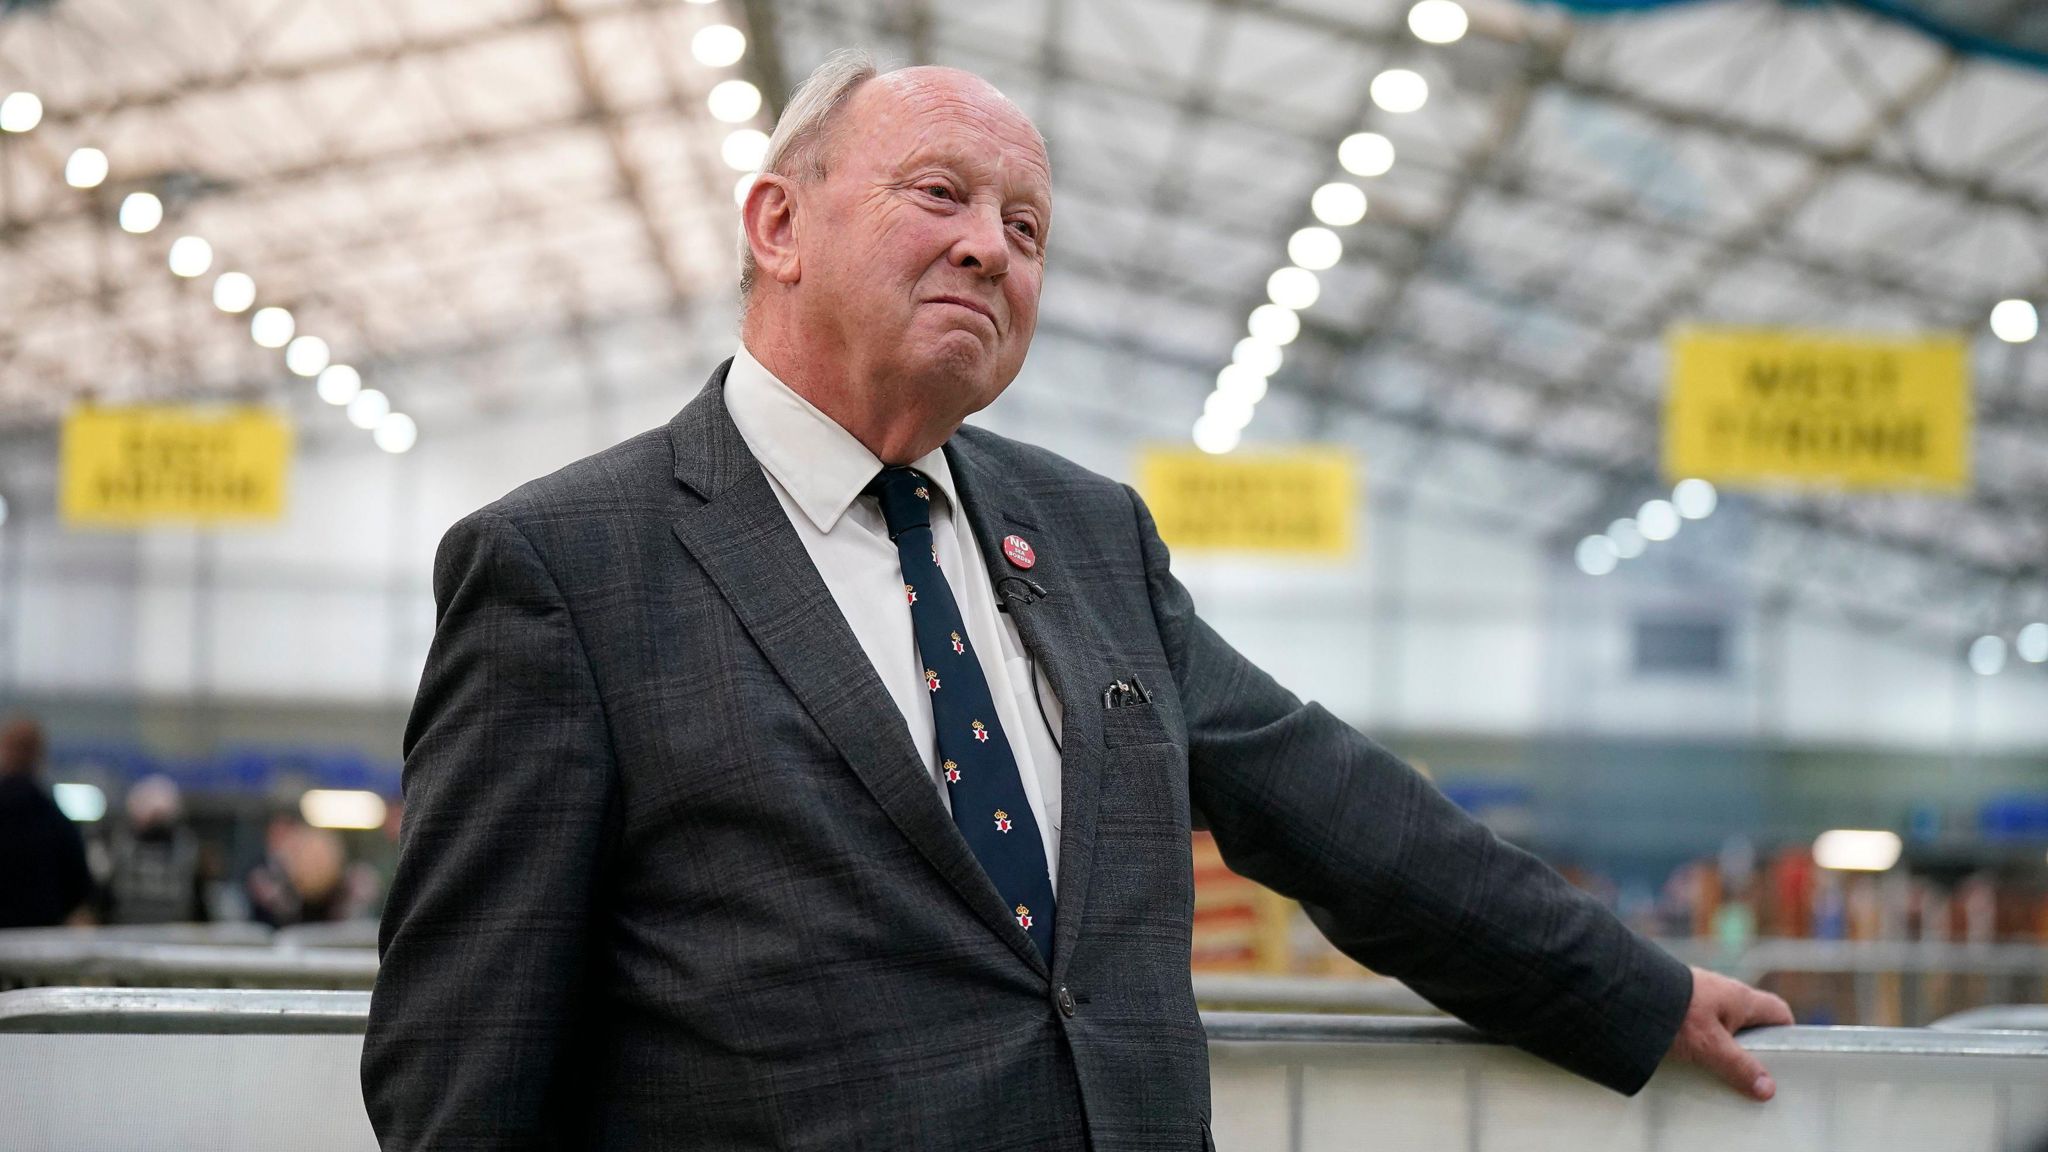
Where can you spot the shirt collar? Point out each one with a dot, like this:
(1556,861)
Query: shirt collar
(821,465)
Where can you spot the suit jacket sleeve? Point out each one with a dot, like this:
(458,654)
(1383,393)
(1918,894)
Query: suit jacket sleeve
(1400,878)
(508,790)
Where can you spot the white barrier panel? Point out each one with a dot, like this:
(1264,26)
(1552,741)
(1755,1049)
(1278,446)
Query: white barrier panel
(132,1070)
(1336,1084)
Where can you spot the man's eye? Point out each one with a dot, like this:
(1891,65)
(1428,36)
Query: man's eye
(1026,227)
(939,190)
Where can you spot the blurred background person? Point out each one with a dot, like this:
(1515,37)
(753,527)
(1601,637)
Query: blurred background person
(43,876)
(306,877)
(156,873)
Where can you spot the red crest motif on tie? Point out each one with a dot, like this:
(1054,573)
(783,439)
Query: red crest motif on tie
(1023,917)
(952,772)
(910,594)
(1019,552)
(931,680)
(958,647)
(1002,820)
(923,493)
(980,733)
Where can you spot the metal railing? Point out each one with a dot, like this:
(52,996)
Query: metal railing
(245,1069)
(1997,1018)
(1881,981)
(89,958)
(1827,980)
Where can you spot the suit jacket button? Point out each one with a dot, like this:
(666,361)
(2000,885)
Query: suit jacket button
(1066,1001)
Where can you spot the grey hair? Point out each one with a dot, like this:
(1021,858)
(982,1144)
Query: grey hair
(797,149)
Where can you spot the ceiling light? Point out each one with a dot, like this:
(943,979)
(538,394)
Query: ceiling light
(1657,520)
(234,292)
(1596,556)
(396,433)
(1695,499)
(368,409)
(20,112)
(1338,205)
(339,384)
(1627,539)
(86,168)
(1315,248)
(1293,288)
(306,356)
(1438,21)
(740,188)
(141,212)
(2015,321)
(1228,408)
(1240,381)
(80,803)
(744,149)
(734,101)
(1856,850)
(190,256)
(718,45)
(335,808)
(1398,90)
(1257,355)
(1987,655)
(271,327)
(1274,324)
(1214,437)
(2032,643)
(1366,154)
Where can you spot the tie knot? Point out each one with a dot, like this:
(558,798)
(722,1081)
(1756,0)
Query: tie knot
(906,499)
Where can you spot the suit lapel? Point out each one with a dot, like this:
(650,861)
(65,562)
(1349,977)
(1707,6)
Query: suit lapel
(1061,642)
(743,540)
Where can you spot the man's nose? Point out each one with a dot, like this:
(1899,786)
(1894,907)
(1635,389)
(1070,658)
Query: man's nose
(983,245)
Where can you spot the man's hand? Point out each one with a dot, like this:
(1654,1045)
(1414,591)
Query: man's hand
(1720,1008)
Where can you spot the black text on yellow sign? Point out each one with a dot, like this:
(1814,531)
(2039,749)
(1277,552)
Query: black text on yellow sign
(1296,503)
(1764,407)
(130,467)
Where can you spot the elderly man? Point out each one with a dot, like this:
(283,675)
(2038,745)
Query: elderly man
(815,772)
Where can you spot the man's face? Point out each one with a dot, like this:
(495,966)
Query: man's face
(924,246)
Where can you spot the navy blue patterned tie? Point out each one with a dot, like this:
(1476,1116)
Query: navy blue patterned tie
(981,772)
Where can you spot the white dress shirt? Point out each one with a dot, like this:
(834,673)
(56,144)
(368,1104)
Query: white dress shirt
(817,470)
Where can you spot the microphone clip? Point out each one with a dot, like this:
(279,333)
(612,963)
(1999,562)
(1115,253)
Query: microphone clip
(1020,591)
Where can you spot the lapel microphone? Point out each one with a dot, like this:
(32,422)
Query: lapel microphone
(1020,590)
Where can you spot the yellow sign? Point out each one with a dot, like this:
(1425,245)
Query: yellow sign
(127,467)
(1763,406)
(1289,503)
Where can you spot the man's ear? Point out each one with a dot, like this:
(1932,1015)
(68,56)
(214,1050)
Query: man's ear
(770,219)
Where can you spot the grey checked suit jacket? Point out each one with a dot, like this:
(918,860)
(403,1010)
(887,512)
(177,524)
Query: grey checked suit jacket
(673,875)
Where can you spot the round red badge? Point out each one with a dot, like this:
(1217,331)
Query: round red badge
(1018,550)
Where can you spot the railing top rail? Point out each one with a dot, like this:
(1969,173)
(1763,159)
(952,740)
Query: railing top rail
(1284,1028)
(1997,1018)
(186,1010)
(235,932)
(88,957)
(1781,954)
(237,1010)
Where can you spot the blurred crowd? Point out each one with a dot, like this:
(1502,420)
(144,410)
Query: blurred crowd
(149,864)
(1735,898)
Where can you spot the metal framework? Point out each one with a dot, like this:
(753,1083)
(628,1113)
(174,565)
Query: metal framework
(521,205)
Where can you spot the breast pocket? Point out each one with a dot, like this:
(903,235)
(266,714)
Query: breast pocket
(1134,724)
